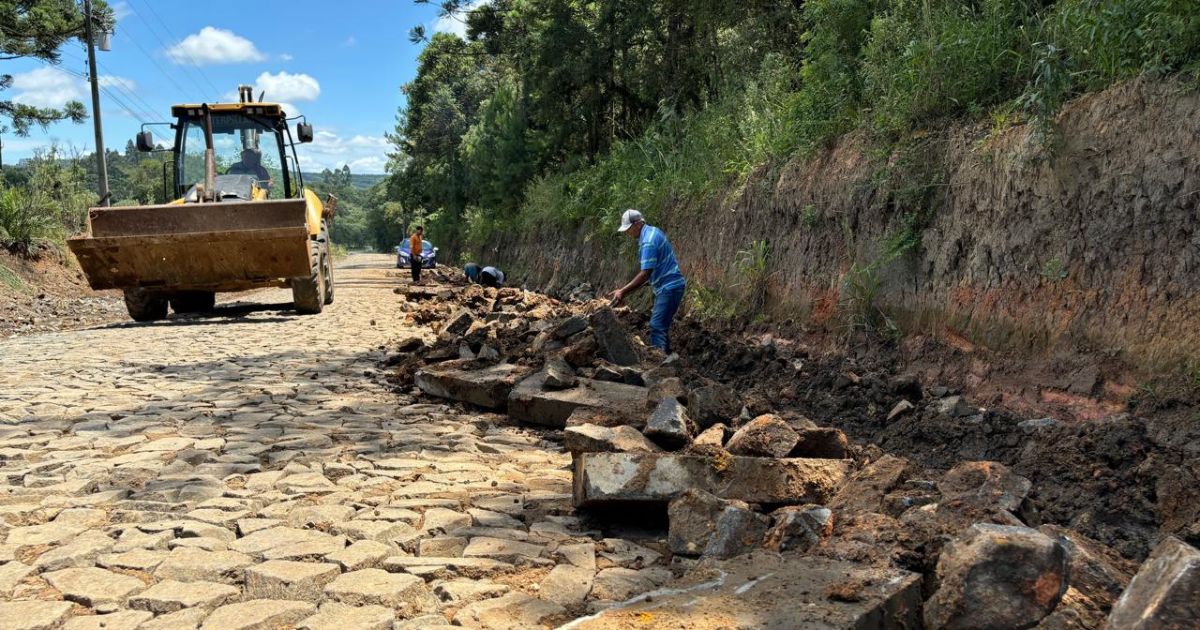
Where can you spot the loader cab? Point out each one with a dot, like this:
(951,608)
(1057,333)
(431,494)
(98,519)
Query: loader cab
(254,154)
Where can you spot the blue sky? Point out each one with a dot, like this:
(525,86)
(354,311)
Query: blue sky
(340,63)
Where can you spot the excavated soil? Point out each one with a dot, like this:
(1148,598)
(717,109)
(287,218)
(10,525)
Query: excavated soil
(43,291)
(1124,478)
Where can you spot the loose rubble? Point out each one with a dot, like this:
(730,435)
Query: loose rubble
(737,479)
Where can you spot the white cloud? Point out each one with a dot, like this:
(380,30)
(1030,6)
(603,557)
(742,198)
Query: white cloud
(121,10)
(213,46)
(374,164)
(286,57)
(350,41)
(47,87)
(286,86)
(364,154)
(456,22)
(51,87)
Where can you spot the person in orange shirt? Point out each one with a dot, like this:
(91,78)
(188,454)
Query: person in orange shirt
(414,253)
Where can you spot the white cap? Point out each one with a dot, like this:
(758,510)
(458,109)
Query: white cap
(630,217)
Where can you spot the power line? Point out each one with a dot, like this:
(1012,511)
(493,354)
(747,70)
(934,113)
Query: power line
(131,95)
(132,111)
(158,65)
(171,35)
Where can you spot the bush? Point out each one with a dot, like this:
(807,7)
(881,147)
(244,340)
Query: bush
(929,59)
(26,217)
(1109,40)
(680,160)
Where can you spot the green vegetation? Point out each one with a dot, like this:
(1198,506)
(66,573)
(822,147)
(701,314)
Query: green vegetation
(10,279)
(753,263)
(707,304)
(361,181)
(562,112)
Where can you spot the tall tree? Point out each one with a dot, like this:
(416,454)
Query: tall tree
(36,29)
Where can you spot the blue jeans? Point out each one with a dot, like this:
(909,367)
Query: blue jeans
(665,306)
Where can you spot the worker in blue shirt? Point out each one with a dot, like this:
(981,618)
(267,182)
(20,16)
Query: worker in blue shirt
(657,264)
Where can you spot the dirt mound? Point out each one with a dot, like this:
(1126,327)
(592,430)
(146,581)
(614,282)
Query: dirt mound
(1124,479)
(43,291)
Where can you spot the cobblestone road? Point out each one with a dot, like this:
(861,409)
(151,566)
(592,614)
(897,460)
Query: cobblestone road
(249,470)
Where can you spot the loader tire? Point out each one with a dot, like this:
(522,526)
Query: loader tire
(309,292)
(193,301)
(327,270)
(145,306)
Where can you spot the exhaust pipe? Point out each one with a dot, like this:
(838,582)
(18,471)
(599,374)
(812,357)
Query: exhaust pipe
(210,159)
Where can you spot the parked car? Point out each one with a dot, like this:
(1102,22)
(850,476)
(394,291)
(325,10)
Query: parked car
(428,255)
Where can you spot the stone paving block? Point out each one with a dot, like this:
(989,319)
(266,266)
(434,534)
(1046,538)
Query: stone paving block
(258,614)
(444,567)
(511,504)
(779,592)
(87,517)
(619,584)
(208,530)
(169,596)
(286,579)
(713,404)
(204,544)
(765,436)
(488,518)
(567,585)
(378,587)
(11,574)
(123,620)
(379,531)
(1165,593)
(33,615)
(488,387)
(424,622)
(579,554)
(94,587)
(136,559)
(530,402)
(669,425)
(44,534)
(389,513)
(501,549)
(266,540)
(451,546)
(997,576)
(660,477)
(463,591)
(336,616)
(364,554)
(189,619)
(514,611)
(319,515)
(591,438)
(80,551)
(444,520)
(187,564)
(612,338)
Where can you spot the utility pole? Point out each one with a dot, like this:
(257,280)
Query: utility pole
(101,162)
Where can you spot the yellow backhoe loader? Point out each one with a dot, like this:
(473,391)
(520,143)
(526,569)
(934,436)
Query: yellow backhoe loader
(242,218)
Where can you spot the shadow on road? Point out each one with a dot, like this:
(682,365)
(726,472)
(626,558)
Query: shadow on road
(223,314)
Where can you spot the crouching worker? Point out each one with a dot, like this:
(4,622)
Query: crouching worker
(657,264)
(487,276)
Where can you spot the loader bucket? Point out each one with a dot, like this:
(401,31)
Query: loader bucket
(225,246)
